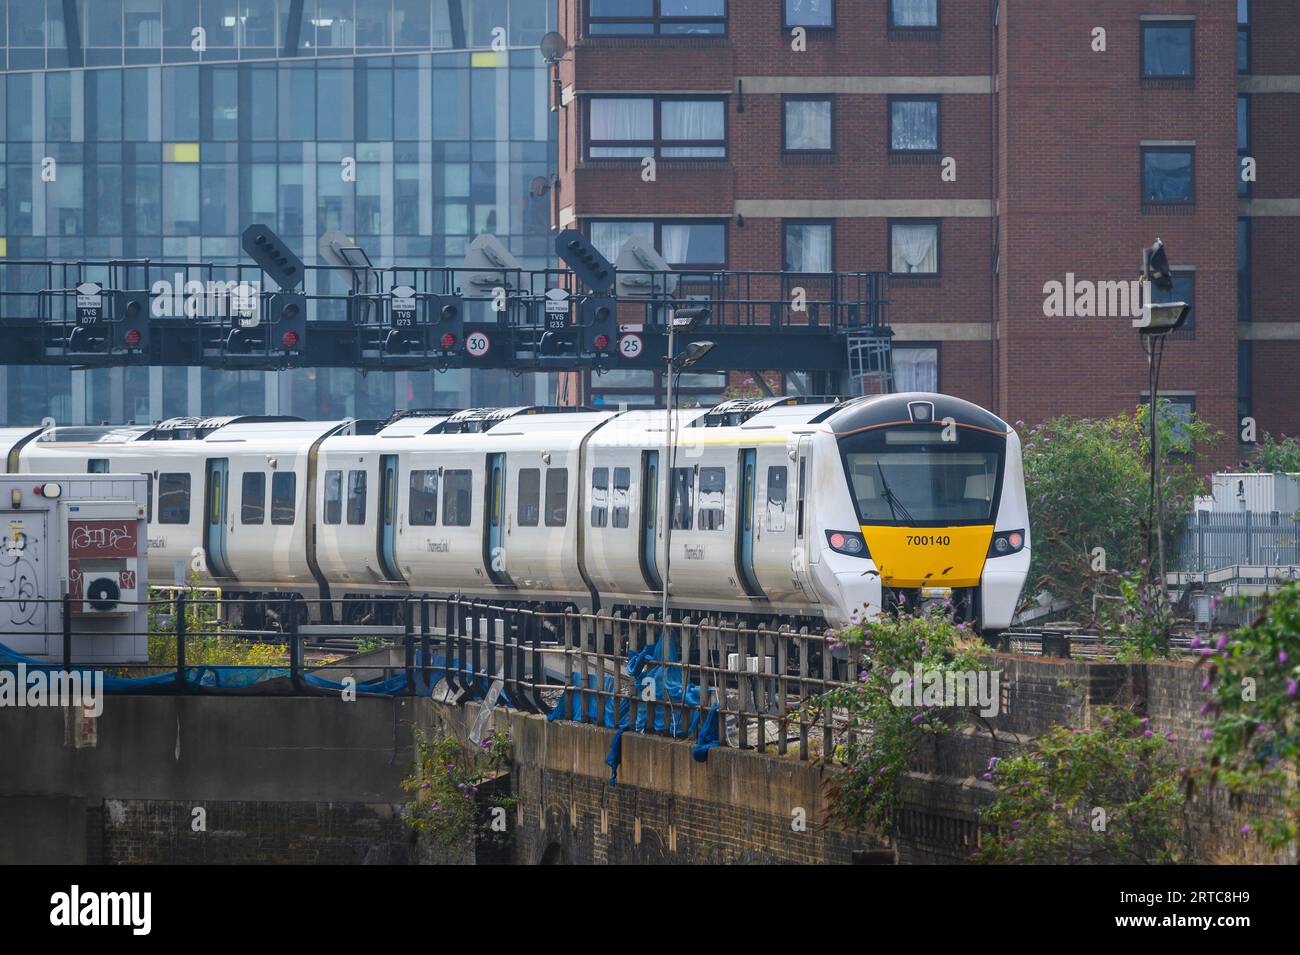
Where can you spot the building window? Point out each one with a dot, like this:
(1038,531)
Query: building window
(808,125)
(815,14)
(1176,409)
(808,247)
(651,17)
(284,497)
(1243,270)
(1167,175)
(1243,36)
(684,244)
(252,504)
(677,127)
(356,497)
(173,499)
(423,505)
(1243,142)
(913,14)
(914,247)
(914,124)
(1167,49)
(916,367)
(1184,290)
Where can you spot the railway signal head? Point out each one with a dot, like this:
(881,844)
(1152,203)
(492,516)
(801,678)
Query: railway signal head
(598,319)
(273,256)
(591,268)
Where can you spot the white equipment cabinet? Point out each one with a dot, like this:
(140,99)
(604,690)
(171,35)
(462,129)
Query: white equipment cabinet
(83,535)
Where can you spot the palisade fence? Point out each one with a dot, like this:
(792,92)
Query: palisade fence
(750,682)
(1211,541)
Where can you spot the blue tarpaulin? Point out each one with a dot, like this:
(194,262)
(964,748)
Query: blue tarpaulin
(658,686)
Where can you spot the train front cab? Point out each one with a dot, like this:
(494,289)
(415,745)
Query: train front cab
(936,509)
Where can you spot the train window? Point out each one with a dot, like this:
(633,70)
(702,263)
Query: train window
(683,498)
(97,466)
(713,491)
(457,496)
(333,497)
(252,498)
(424,498)
(284,494)
(599,496)
(530,497)
(173,499)
(619,501)
(557,496)
(356,497)
(776,494)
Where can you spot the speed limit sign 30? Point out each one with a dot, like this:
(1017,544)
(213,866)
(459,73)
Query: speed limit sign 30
(477,344)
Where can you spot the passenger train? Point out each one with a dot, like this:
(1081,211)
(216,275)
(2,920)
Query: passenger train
(793,508)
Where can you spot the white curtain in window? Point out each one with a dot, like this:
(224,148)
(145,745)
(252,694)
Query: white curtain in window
(608,237)
(622,119)
(914,124)
(915,247)
(808,247)
(808,124)
(916,13)
(686,120)
(676,244)
(916,369)
(810,13)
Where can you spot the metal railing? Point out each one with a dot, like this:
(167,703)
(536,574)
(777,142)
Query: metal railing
(1210,541)
(603,668)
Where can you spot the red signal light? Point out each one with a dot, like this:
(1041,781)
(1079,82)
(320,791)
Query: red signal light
(1015,539)
(448,341)
(837,541)
(289,340)
(601,342)
(132,338)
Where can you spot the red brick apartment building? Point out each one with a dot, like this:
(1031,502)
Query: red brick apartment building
(977,150)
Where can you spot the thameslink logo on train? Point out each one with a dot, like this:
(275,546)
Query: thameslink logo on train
(930,688)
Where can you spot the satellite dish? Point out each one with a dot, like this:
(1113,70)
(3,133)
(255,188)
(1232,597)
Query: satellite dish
(489,264)
(553,47)
(636,260)
(539,186)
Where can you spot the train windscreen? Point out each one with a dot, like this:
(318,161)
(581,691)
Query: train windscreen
(914,476)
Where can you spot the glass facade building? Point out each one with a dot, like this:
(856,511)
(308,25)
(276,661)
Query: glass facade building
(159,129)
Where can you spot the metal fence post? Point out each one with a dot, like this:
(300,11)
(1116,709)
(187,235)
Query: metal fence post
(179,611)
(408,640)
(67,632)
(295,650)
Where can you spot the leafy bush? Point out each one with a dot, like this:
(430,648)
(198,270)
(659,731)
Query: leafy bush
(1109,794)
(204,644)
(1088,485)
(1274,456)
(1141,621)
(1255,741)
(445,783)
(882,737)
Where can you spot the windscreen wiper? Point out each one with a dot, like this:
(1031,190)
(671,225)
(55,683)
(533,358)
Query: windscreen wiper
(895,505)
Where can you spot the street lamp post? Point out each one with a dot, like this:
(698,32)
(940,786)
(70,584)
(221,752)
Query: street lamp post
(1157,321)
(682,319)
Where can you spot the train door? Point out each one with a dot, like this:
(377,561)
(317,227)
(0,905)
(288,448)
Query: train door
(649,517)
(747,526)
(494,539)
(214,537)
(388,517)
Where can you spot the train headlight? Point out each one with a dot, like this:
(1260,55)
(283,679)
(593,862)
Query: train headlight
(1007,542)
(847,542)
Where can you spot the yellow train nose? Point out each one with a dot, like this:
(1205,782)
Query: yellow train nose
(929,556)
